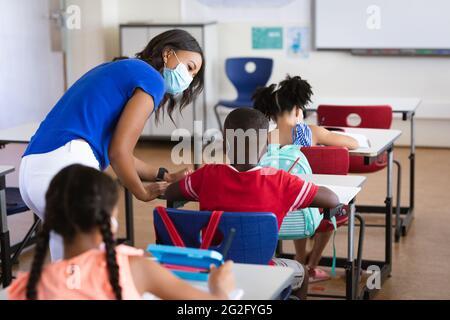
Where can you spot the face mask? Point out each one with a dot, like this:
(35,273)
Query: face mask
(177,80)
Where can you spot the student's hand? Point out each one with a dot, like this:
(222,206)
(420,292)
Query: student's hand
(154,190)
(177,176)
(221,280)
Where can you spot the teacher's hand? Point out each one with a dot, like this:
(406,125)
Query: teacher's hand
(155,189)
(176,176)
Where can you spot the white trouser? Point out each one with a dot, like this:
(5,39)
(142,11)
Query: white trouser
(36,172)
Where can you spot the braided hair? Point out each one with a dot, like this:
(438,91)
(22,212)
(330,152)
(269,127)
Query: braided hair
(293,92)
(79,200)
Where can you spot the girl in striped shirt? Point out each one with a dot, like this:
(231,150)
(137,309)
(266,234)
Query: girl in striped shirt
(284,104)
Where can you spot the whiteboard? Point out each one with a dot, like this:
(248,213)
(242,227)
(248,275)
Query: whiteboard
(382,24)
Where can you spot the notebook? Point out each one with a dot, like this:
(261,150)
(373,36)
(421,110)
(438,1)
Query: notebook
(363,142)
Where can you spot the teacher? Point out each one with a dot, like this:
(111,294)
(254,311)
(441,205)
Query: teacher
(99,120)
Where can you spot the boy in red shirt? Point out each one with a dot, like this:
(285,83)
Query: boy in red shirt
(243,186)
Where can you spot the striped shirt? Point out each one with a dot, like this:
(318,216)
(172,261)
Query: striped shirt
(302,135)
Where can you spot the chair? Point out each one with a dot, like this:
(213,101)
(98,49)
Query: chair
(15,205)
(244,81)
(373,117)
(328,160)
(255,240)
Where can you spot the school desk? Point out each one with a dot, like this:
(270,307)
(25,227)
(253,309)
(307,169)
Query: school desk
(381,140)
(407,108)
(346,188)
(22,134)
(4,231)
(259,282)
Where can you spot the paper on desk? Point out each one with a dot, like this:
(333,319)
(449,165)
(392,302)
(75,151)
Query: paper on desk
(344,194)
(362,139)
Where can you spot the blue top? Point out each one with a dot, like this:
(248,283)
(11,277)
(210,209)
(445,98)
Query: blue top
(302,135)
(91,108)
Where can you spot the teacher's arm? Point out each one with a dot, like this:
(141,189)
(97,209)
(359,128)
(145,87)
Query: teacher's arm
(124,140)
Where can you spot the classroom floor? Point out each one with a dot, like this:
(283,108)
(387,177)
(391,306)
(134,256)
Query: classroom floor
(420,260)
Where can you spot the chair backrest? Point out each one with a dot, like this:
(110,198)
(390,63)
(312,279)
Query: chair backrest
(373,117)
(255,240)
(14,202)
(247,82)
(327,160)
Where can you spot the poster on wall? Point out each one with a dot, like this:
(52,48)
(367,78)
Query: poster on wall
(225,11)
(267,38)
(297,42)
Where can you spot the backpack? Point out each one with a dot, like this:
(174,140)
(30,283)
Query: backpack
(299,224)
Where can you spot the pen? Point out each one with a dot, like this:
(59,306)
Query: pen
(228,242)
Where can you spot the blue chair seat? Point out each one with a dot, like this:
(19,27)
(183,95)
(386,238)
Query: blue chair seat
(14,202)
(236,103)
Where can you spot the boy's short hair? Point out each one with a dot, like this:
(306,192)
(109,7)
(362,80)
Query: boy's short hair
(245,119)
(245,135)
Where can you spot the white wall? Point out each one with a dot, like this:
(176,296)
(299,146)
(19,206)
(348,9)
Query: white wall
(337,74)
(98,39)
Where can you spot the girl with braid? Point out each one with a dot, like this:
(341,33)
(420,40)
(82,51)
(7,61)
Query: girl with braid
(81,206)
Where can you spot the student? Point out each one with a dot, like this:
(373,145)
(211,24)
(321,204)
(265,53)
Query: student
(81,205)
(245,187)
(285,104)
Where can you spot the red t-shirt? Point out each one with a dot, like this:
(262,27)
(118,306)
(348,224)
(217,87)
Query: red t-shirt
(222,187)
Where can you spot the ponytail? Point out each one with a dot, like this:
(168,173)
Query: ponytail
(110,251)
(38,263)
(293,92)
(265,101)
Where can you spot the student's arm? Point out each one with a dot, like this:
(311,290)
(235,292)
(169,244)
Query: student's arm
(148,172)
(302,194)
(330,138)
(187,188)
(126,135)
(173,193)
(325,198)
(150,277)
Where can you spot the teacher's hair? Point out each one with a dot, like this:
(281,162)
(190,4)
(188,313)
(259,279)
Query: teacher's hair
(79,200)
(175,39)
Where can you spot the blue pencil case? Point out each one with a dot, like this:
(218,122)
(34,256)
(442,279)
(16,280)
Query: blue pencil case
(186,263)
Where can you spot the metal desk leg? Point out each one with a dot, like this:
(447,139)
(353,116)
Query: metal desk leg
(129,221)
(4,237)
(350,269)
(412,170)
(388,241)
